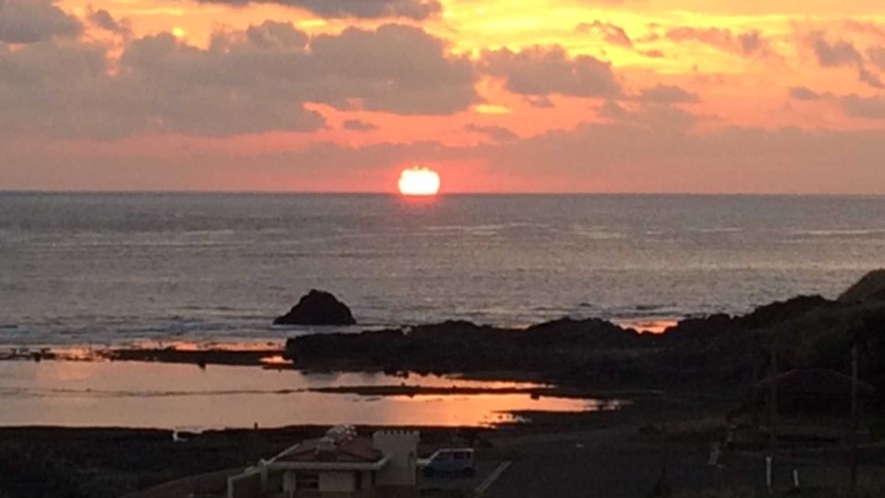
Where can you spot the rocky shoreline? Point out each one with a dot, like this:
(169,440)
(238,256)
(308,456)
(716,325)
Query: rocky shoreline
(717,351)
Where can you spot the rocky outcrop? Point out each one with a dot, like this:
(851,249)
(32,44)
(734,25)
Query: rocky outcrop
(869,288)
(715,351)
(553,350)
(317,308)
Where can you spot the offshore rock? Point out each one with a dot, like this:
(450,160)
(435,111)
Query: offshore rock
(317,308)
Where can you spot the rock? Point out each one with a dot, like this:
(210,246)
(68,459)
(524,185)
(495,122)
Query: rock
(700,329)
(869,288)
(589,333)
(317,308)
(782,311)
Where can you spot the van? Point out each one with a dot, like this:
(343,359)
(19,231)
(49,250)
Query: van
(449,461)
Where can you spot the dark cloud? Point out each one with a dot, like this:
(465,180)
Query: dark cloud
(540,71)
(843,53)
(366,9)
(31,21)
(877,57)
(359,125)
(653,54)
(496,133)
(866,76)
(104,20)
(863,107)
(609,32)
(253,81)
(666,95)
(840,53)
(747,44)
(277,36)
(396,69)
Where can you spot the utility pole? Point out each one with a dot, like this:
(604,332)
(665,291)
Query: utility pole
(852,490)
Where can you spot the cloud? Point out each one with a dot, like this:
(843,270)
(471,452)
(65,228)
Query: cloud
(539,102)
(359,125)
(610,33)
(747,44)
(666,95)
(804,93)
(872,108)
(496,133)
(365,9)
(653,54)
(540,71)
(664,118)
(631,156)
(31,21)
(245,82)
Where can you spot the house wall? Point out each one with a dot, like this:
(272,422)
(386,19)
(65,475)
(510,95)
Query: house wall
(336,482)
(244,486)
(401,447)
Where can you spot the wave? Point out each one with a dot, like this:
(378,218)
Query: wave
(839,232)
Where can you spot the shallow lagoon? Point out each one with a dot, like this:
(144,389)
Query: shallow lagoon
(159,395)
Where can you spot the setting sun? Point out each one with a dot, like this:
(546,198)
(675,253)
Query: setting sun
(419,181)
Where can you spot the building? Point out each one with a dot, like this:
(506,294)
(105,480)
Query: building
(339,465)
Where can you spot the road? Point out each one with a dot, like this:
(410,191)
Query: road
(616,462)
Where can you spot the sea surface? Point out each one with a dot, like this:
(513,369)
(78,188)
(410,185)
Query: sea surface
(111,269)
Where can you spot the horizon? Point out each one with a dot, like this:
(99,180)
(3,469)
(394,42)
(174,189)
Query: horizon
(443,194)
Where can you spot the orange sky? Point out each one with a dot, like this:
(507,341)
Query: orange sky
(779,96)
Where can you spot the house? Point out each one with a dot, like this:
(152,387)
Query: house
(339,465)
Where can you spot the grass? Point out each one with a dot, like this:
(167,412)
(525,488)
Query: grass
(691,431)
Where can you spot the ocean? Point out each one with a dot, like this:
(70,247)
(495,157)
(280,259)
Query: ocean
(113,269)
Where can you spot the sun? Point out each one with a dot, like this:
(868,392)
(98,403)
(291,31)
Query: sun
(419,181)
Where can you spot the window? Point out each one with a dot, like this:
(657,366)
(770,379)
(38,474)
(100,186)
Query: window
(358,481)
(308,481)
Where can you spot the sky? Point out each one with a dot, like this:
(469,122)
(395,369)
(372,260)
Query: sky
(607,96)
